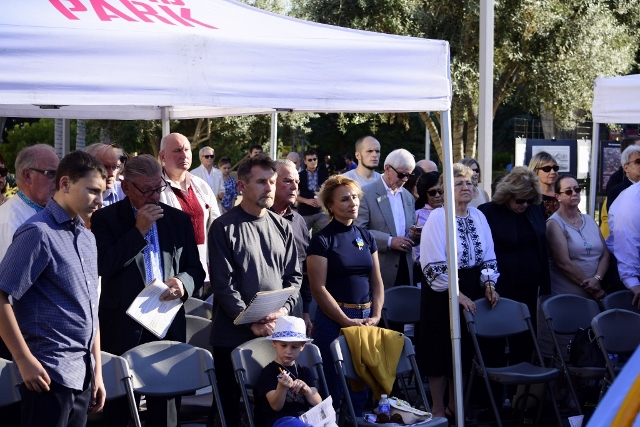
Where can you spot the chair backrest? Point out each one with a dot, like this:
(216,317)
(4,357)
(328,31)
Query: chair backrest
(117,381)
(254,355)
(621,299)
(197,307)
(568,313)
(198,331)
(507,318)
(165,368)
(401,305)
(9,392)
(617,330)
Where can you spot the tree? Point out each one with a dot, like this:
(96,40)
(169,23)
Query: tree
(547,53)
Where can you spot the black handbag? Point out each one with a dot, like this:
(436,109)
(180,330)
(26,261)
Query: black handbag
(584,351)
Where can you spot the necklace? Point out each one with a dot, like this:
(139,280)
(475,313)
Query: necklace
(286,368)
(572,222)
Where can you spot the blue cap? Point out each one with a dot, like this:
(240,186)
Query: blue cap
(290,422)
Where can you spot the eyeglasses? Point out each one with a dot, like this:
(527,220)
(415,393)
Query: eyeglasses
(49,174)
(433,193)
(149,193)
(208,156)
(4,172)
(461,184)
(110,168)
(636,161)
(401,175)
(311,160)
(123,159)
(547,169)
(527,201)
(570,191)
(474,170)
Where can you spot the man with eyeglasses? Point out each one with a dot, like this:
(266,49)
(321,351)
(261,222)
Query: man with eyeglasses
(35,178)
(109,158)
(187,192)
(387,210)
(311,179)
(139,240)
(210,174)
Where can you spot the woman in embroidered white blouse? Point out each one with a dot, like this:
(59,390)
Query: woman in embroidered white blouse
(475,252)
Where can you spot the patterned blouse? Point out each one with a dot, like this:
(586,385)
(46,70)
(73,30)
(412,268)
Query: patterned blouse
(230,193)
(474,241)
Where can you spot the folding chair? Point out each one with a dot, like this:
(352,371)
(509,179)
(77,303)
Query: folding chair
(406,364)
(197,307)
(565,314)
(9,392)
(508,318)
(621,299)
(249,358)
(117,381)
(617,332)
(198,331)
(170,368)
(401,306)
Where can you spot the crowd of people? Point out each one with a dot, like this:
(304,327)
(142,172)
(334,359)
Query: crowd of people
(341,239)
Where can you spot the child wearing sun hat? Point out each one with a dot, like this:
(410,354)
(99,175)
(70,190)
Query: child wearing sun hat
(285,388)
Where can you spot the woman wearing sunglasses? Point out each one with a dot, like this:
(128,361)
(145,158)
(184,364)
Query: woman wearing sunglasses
(579,255)
(3,181)
(545,166)
(430,197)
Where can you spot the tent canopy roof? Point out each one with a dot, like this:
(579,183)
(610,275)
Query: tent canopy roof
(616,99)
(113,59)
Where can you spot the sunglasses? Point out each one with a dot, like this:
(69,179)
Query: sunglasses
(547,169)
(312,160)
(49,174)
(527,201)
(4,172)
(636,161)
(570,191)
(433,193)
(401,175)
(208,156)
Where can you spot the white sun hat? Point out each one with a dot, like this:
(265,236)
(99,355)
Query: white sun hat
(290,329)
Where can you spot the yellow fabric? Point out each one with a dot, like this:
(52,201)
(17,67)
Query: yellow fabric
(604,220)
(630,406)
(375,353)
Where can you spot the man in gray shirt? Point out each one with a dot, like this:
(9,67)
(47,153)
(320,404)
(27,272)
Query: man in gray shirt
(251,249)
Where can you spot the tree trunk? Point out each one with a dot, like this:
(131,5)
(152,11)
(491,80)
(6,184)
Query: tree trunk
(433,130)
(471,145)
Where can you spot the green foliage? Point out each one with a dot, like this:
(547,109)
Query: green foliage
(25,135)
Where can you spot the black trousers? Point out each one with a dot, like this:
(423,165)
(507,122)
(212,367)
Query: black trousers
(230,398)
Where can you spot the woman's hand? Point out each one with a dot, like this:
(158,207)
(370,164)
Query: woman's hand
(466,303)
(354,322)
(371,321)
(591,285)
(491,295)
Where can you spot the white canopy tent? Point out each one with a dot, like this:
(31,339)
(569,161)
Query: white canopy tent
(615,100)
(178,59)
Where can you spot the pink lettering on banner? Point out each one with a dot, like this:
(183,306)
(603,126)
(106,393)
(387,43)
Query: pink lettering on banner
(185,16)
(173,2)
(77,6)
(147,10)
(101,7)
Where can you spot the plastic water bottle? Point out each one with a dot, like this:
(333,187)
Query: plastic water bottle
(614,360)
(383,406)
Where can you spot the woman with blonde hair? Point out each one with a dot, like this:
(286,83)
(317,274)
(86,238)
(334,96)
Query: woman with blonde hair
(344,273)
(481,196)
(545,166)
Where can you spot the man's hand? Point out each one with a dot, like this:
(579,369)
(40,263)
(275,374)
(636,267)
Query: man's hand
(308,323)
(310,202)
(272,317)
(98,395)
(263,329)
(401,243)
(636,295)
(33,374)
(221,195)
(147,215)
(175,291)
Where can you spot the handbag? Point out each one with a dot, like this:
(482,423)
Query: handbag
(584,351)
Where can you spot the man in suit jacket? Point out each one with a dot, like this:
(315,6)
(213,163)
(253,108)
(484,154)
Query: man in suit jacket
(138,240)
(387,210)
(311,180)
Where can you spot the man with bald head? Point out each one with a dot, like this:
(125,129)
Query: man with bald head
(427,166)
(186,191)
(35,177)
(368,156)
(110,159)
(295,158)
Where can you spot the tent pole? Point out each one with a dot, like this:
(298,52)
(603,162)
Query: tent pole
(485,108)
(595,153)
(274,136)
(166,126)
(452,263)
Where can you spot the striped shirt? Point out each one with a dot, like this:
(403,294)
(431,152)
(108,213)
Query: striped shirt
(51,272)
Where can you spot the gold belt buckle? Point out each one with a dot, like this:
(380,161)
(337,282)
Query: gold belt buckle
(361,306)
